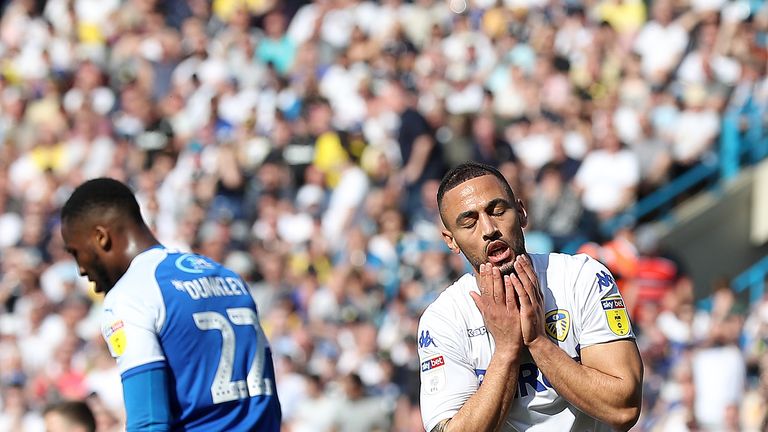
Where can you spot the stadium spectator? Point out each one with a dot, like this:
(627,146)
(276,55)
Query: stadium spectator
(608,177)
(72,416)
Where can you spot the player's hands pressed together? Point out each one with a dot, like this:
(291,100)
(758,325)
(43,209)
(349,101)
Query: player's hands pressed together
(499,306)
(526,285)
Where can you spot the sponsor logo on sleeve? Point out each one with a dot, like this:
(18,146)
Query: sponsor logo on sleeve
(114,334)
(193,264)
(476,332)
(433,374)
(558,324)
(432,363)
(616,314)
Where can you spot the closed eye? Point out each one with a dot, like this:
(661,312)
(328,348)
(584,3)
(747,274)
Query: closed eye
(468,223)
(497,207)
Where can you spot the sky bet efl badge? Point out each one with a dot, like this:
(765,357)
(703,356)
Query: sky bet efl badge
(618,321)
(115,336)
(558,323)
(433,374)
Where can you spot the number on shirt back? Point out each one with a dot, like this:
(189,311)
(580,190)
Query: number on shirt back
(223,388)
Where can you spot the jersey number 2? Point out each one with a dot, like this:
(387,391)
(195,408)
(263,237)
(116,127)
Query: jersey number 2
(223,388)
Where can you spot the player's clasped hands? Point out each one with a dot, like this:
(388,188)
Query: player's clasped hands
(526,285)
(499,306)
(512,305)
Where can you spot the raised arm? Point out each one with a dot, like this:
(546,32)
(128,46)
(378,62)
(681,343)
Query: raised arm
(486,408)
(607,384)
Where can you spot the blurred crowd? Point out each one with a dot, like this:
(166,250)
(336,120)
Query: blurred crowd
(301,144)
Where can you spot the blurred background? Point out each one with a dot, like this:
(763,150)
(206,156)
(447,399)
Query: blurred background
(301,143)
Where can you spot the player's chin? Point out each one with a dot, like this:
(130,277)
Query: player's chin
(507,268)
(99,287)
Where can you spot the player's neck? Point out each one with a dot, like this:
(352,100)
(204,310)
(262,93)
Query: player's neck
(137,241)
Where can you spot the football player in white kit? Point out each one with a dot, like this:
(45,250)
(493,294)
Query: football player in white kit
(527,341)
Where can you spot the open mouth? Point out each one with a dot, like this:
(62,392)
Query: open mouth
(498,251)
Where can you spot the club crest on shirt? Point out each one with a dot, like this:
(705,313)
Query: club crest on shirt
(115,337)
(616,314)
(558,323)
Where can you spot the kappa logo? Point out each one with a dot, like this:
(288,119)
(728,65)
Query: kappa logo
(558,324)
(476,332)
(426,340)
(604,280)
(193,264)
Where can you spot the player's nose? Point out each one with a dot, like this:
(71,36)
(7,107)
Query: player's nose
(488,227)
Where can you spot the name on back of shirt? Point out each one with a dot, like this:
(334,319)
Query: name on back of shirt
(211,286)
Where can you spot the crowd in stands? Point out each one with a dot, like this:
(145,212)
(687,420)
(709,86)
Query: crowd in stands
(302,143)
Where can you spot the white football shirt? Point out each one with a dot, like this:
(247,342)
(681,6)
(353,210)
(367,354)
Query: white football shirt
(582,307)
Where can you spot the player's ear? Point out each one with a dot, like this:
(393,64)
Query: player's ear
(103,239)
(450,241)
(522,213)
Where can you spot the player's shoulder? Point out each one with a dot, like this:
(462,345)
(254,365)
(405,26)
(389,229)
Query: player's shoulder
(560,259)
(187,262)
(564,263)
(139,278)
(454,301)
(186,265)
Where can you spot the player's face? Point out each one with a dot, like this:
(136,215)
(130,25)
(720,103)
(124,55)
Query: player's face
(84,249)
(484,223)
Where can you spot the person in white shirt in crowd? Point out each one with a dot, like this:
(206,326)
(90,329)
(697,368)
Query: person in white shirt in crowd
(608,176)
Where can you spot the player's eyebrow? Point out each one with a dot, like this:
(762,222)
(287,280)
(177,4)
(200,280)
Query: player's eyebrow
(492,204)
(495,202)
(465,214)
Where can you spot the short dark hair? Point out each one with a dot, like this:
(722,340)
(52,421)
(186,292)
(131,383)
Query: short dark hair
(100,195)
(467,171)
(76,412)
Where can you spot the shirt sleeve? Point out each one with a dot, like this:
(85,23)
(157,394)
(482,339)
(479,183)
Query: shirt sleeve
(147,398)
(448,376)
(604,316)
(129,326)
